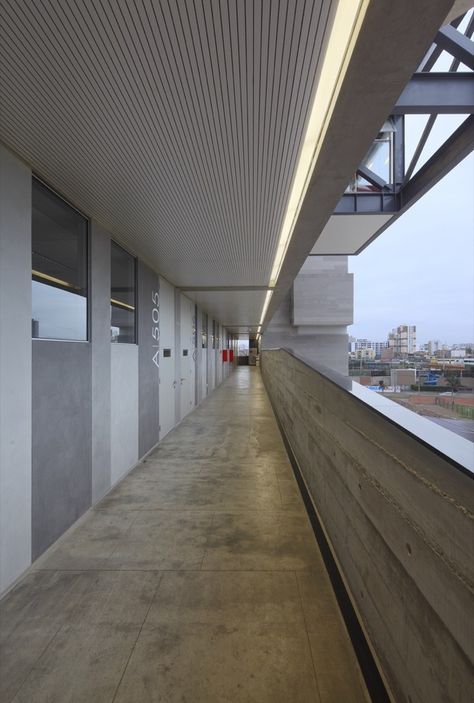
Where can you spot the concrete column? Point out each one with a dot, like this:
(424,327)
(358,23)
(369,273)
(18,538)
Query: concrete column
(312,319)
(101,360)
(15,368)
(177,355)
(199,356)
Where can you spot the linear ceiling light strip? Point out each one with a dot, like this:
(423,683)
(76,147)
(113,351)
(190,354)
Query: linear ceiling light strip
(268,297)
(345,30)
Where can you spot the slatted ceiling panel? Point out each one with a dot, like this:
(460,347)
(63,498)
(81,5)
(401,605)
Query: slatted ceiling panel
(234,309)
(176,124)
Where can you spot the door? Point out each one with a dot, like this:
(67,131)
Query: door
(167,358)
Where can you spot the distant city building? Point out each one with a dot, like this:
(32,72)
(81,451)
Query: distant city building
(366,353)
(432,346)
(387,354)
(402,377)
(458,353)
(402,340)
(379,347)
(356,345)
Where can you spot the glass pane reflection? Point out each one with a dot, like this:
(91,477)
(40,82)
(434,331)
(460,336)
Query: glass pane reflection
(59,268)
(122,297)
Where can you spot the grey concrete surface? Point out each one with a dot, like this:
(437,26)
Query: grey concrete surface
(101,360)
(196,579)
(400,521)
(312,318)
(62,438)
(15,367)
(124,409)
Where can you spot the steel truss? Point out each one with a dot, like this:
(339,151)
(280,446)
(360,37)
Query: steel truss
(430,93)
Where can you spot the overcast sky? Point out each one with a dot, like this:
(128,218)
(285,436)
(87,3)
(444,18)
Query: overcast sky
(420,271)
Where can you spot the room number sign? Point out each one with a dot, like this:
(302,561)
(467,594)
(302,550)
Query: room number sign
(155,328)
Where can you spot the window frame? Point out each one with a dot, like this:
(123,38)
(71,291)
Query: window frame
(44,184)
(114,242)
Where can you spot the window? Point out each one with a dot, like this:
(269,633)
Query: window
(59,267)
(122,297)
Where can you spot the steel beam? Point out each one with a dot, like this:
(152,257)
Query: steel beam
(371,177)
(457,44)
(468,33)
(367,204)
(452,152)
(421,145)
(440,93)
(435,51)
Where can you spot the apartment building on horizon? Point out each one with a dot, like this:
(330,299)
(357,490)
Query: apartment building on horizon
(403,339)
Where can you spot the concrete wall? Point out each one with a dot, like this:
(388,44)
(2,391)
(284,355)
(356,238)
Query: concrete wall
(323,293)
(15,367)
(326,345)
(62,438)
(313,317)
(400,521)
(124,403)
(74,416)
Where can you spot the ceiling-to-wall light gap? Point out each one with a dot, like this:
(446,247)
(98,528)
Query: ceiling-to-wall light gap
(345,29)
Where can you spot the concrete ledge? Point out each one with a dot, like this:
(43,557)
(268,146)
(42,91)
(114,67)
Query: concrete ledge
(399,517)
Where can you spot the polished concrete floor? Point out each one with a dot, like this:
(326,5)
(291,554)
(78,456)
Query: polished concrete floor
(197,579)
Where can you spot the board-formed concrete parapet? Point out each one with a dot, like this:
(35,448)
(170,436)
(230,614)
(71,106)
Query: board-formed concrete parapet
(399,517)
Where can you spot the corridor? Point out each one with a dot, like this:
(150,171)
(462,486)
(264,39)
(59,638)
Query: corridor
(197,579)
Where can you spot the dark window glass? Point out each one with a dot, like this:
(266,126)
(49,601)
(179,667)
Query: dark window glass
(122,297)
(59,263)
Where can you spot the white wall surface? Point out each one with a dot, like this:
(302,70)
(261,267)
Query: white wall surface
(211,357)
(203,373)
(167,364)
(15,368)
(124,409)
